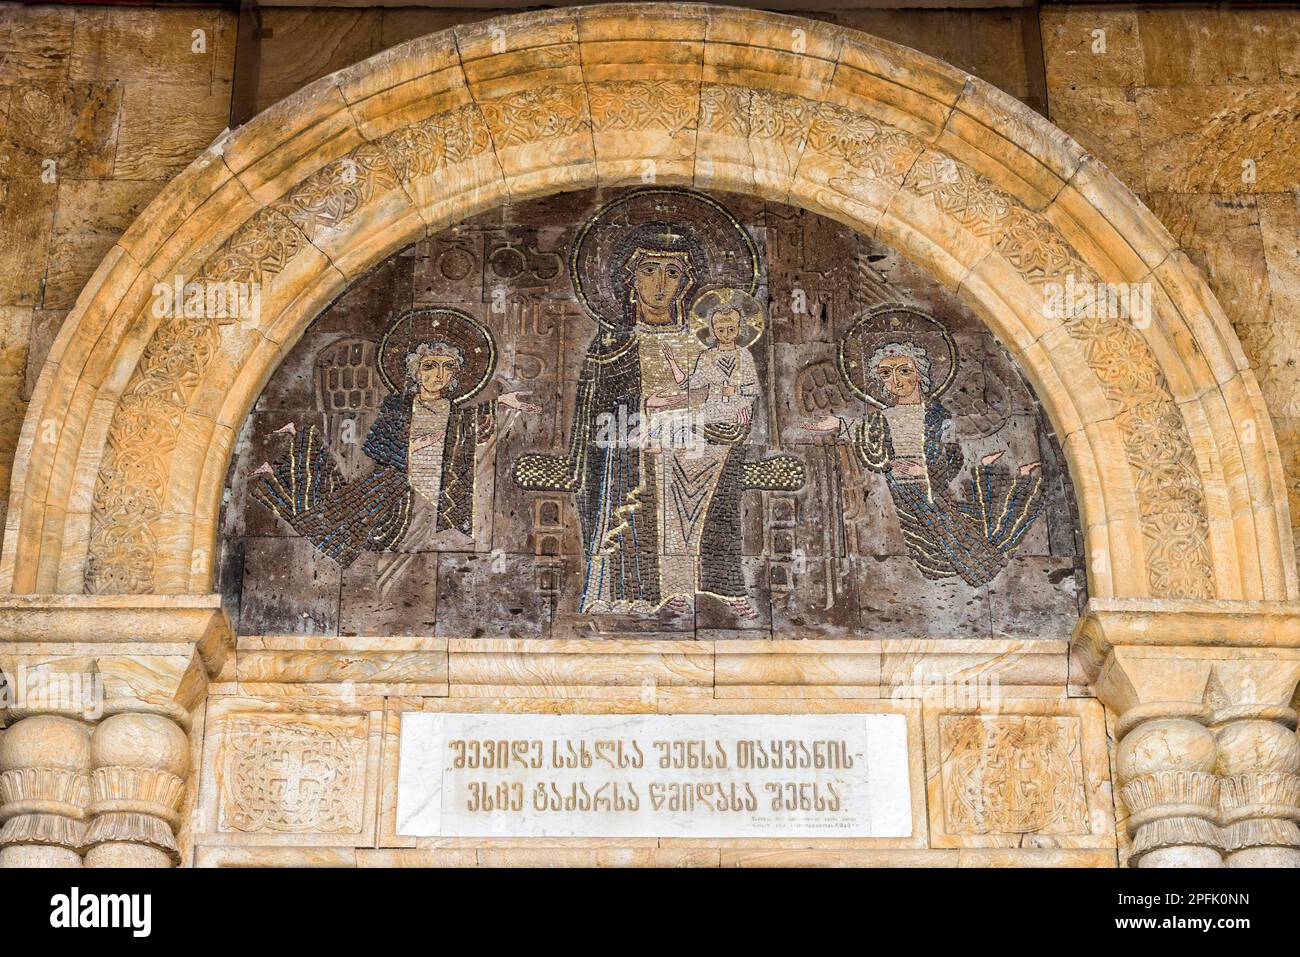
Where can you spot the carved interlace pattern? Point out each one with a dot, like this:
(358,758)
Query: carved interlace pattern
(637,105)
(867,152)
(1012,775)
(294,777)
(537,114)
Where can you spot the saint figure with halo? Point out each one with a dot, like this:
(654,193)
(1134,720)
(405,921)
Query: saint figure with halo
(900,360)
(424,445)
(657,457)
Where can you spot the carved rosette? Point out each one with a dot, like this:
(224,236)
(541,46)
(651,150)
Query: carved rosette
(44,790)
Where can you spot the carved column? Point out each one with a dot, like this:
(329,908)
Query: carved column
(44,765)
(1258,761)
(1165,766)
(140,762)
(1208,759)
(1165,756)
(145,663)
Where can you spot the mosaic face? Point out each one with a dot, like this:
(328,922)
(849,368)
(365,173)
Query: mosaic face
(900,377)
(724,418)
(435,371)
(658,282)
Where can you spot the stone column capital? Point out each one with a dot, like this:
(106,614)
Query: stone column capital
(1186,658)
(90,656)
(97,693)
(1204,694)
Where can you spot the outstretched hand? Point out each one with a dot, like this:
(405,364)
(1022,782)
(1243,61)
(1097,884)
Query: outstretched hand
(826,423)
(511,400)
(664,399)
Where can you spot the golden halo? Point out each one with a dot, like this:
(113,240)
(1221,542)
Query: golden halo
(894,322)
(695,221)
(753,316)
(438,324)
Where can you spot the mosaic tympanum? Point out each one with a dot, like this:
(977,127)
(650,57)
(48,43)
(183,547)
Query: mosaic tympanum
(650,412)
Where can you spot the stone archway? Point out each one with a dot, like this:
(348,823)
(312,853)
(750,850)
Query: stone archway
(118,476)
(119,472)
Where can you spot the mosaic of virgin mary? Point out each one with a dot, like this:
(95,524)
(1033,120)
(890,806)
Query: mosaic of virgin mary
(900,360)
(657,458)
(424,446)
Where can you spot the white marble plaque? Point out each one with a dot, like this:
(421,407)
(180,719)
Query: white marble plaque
(698,775)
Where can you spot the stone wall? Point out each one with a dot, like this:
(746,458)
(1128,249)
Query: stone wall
(99,108)
(1176,102)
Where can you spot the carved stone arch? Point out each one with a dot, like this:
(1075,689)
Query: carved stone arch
(118,477)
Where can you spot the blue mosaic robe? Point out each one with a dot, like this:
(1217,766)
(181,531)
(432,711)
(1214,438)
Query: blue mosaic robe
(373,512)
(945,536)
(616,491)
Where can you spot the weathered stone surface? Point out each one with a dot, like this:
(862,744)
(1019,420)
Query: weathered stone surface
(481,596)
(154,145)
(287,590)
(1036,595)
(1193,106)
(45,326)
(393,594)
(73,125)
(897,602)
(987,43)
(1091,46)
(1221,139)
(1104,119)
(91,215)
(1235,265)
(1279,222)
(299,46)
(35,43)
(153,45)
(26,216)
(15,326)
(1212,47)
(399,24)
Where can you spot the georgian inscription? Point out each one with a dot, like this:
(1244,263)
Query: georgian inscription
(464,775)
